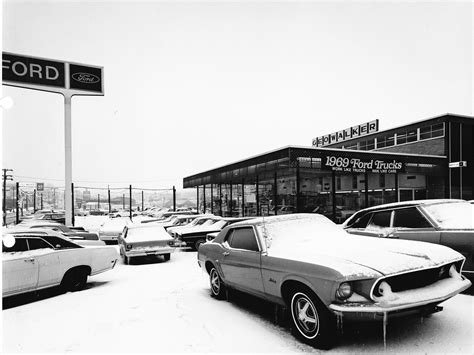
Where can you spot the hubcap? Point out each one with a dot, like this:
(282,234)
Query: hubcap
(305,315)
(215,282)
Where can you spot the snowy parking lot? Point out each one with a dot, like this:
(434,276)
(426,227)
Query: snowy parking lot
(157,306)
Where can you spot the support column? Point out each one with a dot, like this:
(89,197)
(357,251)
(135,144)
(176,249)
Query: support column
(73,220)
(212,199)
(366,183)
(333,195)
(298,192)
(130,202)
(68,207)
(231,199)
(197,199)
(243,198)
(220,198)
(275,193)
(396,188)
(257,200)
(204,198)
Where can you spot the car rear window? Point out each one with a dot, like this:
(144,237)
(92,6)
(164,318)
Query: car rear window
(452,215)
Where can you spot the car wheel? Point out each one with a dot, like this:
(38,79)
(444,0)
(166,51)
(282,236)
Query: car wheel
(198,243)
(74,280)
(312,322)
(167,256)
(218,289)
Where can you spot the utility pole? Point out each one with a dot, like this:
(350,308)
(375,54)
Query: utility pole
(17,212)
(6,177)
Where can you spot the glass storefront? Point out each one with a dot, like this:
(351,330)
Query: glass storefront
(335,183)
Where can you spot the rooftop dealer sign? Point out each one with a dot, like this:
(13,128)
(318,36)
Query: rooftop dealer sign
(346,134)
(51,75)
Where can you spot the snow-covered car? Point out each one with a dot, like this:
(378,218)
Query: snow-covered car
(82,213)
(446,222)
(49,215)
(325,277)
(85,239)
(200,220)
(110,230)
(122,213)
(194,237)
(77,235)
(35,261)
(145,240)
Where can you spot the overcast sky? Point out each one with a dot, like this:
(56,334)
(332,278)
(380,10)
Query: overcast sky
(190,86)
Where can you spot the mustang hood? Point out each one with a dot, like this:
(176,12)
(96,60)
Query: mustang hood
(351,254)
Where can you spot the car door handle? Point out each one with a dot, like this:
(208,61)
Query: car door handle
(225,253)
(31,260)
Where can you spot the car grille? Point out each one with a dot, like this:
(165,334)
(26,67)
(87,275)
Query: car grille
(415,279)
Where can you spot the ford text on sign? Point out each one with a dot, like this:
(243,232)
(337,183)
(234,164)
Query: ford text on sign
(51,75)
(356,165)
(37,71)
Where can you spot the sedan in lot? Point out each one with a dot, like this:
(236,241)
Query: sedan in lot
(446,222)
(82,240)
(36,261)
(110,230)
(73,234)
(194,237)
(325,277)
(145,240)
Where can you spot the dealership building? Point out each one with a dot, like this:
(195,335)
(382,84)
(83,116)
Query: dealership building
(346,171)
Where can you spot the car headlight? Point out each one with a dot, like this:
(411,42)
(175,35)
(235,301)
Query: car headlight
(128,246)
(344,291)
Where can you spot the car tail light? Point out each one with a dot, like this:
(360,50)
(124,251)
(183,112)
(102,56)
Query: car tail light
(344,291)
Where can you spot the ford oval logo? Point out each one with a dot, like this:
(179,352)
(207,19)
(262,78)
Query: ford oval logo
(86,78)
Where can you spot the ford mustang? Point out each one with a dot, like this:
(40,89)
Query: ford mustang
(322,275)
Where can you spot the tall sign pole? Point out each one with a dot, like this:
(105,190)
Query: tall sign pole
(68,160)
(66,78)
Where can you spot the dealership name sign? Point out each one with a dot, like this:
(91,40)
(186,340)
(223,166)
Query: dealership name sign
(66,78)
(357,165)
(346,134)
(51,75)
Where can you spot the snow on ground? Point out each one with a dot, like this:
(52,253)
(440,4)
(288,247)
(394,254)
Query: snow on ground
(157,306)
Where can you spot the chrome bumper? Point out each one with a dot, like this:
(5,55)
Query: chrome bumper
(406,300)
(145,252)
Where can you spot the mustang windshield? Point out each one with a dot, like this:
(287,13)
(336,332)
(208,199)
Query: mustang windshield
(452,215)
(301,230)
